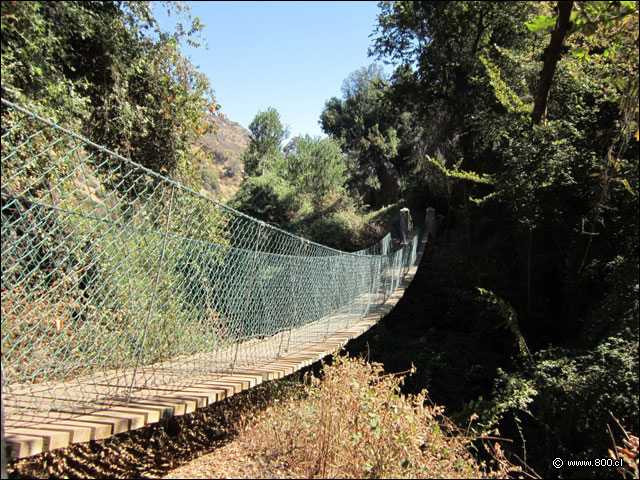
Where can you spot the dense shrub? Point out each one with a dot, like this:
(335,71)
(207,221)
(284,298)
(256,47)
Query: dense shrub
(338,229)
(209,179)
(355,423)
(268,197)
(576,394)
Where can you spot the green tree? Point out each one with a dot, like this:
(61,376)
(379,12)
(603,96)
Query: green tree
(442,41)
(602,37)
(109,70)
(265,143)
(315,166)
(559,199)
(361,120)
(267,197)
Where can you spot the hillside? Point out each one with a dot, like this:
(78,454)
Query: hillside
(223,175)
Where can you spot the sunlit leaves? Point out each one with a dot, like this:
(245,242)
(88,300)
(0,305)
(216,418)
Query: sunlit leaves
(605,32)
(458,173)
(316,166)
(541,24)
(265,143)
(504,94)
(109,67)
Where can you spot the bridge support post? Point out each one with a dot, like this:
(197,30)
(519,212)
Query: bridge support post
(430,227)
(404,225)
(4,447)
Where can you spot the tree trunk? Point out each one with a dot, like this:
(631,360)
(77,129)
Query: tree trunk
(388,185)
(551,56)
(529,255)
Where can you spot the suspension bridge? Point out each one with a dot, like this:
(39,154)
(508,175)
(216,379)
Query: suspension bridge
(128,298)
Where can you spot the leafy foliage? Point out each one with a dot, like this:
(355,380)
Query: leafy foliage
(570,391)
(301,187)
(265,145)
(315,166)
(365,123)
(545,218)
(267,197)
(109,67)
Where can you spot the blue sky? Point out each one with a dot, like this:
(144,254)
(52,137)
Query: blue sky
(292,56)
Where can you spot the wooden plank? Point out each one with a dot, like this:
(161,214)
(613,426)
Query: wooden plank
(118,422)
(230,387)
(203,394)
(184,403)
(21,446)
(97,431)
(51,439)
(167,408)
(244,378)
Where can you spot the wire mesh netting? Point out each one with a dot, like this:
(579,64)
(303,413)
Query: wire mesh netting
(117,280)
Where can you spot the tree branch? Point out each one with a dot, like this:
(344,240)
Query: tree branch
(551,56)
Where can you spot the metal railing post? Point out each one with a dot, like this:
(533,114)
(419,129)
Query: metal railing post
(4,446)
(332,285)
(303,249)
(249,289)
(153,295)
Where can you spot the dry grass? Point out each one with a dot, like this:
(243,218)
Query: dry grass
(354,423)
(627,453)
(228,143)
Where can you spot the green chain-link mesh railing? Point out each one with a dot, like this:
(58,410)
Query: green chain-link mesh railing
(116,279)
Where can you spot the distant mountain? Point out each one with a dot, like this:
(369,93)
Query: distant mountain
(223,175)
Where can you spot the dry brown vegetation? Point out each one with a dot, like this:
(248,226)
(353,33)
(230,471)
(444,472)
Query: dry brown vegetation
(354,423)
(226,144)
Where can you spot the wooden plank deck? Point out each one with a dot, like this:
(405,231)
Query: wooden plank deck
(32,431)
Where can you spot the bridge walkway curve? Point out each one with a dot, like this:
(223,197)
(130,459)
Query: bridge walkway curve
(35,432)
